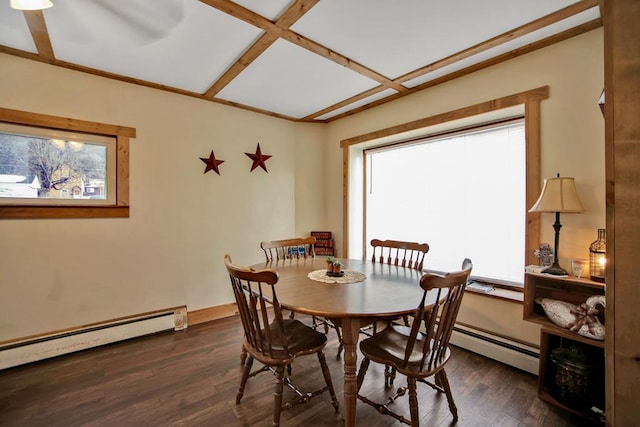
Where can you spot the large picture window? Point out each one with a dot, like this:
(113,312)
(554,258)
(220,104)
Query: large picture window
(57,167)
(463,193)
(460,181)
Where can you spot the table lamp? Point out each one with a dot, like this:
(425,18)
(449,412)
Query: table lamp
(558,195)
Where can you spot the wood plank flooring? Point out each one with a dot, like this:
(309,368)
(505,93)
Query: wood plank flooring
(191,378)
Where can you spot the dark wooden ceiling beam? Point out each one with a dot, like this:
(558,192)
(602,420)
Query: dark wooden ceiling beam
(250,55)
(295,12)
(502,38)
(288,18)
(344,103)
(283,31)
(38,28)
(556,38)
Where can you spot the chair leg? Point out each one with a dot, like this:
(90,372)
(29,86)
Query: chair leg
(277,396)
(246,370)
(413,402)
(442,378)
(389,375)
(243,356)
(327,378)
(364,365)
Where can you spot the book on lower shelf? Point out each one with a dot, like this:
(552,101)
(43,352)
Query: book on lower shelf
(321,234)
(320,250)
(324,243)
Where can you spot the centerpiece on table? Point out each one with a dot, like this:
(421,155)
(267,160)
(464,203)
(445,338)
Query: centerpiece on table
(334,267)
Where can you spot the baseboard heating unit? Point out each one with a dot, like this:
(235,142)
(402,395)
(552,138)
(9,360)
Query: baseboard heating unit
(509,352)
(19,352)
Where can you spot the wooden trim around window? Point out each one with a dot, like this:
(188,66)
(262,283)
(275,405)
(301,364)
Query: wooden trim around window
(531,101)
(120,133)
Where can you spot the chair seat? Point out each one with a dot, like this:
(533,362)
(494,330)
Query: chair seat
(300,338)
(388,347)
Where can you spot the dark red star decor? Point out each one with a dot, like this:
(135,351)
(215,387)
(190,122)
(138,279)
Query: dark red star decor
(258,159)
(212,163)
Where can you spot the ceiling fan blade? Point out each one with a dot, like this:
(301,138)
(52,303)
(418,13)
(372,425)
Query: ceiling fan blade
(145,20)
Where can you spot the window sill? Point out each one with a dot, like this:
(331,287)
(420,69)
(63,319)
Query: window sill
(32,212)
(501,293)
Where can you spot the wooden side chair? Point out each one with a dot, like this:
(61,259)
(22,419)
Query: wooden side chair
(421,350)
(300,247)
(295,248)
(271,339)
(393,252)
(400,253)
(396,252)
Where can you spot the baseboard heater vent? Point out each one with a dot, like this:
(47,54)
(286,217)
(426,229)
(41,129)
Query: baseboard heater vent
(495,347)
(31,349)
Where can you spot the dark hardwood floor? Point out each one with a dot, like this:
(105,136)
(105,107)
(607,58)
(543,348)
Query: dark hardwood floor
(191,378)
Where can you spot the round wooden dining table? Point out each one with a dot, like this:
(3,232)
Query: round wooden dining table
(386,291)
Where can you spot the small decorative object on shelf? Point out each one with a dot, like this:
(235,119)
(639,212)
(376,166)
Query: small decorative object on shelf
(572,379)
(597,257)
(581,319)
(579,267)
(545,254)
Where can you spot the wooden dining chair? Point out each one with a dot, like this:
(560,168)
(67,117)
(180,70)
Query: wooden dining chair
(421,350)
(295,248)
(397,252)
(271,339)
(393,252)
(299,247)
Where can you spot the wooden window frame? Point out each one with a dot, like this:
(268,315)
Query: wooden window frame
(121,134)
(530,99)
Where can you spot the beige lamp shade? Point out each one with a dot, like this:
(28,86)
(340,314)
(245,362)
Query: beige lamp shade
(558,195)
(31,4)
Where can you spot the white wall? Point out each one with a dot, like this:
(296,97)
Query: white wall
(62,273)
(572,144)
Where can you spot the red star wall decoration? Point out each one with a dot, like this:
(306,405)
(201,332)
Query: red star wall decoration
(212,163)
(258,159)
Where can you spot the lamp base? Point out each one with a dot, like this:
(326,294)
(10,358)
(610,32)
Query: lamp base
(556,270)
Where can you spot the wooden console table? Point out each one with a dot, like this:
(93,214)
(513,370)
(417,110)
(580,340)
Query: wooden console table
(575,291)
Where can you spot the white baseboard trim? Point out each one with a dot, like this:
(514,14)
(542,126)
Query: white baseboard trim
(31,349)
(507,351)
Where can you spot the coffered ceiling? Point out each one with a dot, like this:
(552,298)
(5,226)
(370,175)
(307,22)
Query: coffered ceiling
(303,60)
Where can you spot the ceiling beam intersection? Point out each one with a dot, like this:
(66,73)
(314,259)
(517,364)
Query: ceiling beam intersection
(281,29)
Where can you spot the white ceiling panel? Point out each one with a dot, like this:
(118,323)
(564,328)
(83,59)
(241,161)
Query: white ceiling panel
(532,37)
(292,81)
(197,45)
(395,39)
(14,31)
